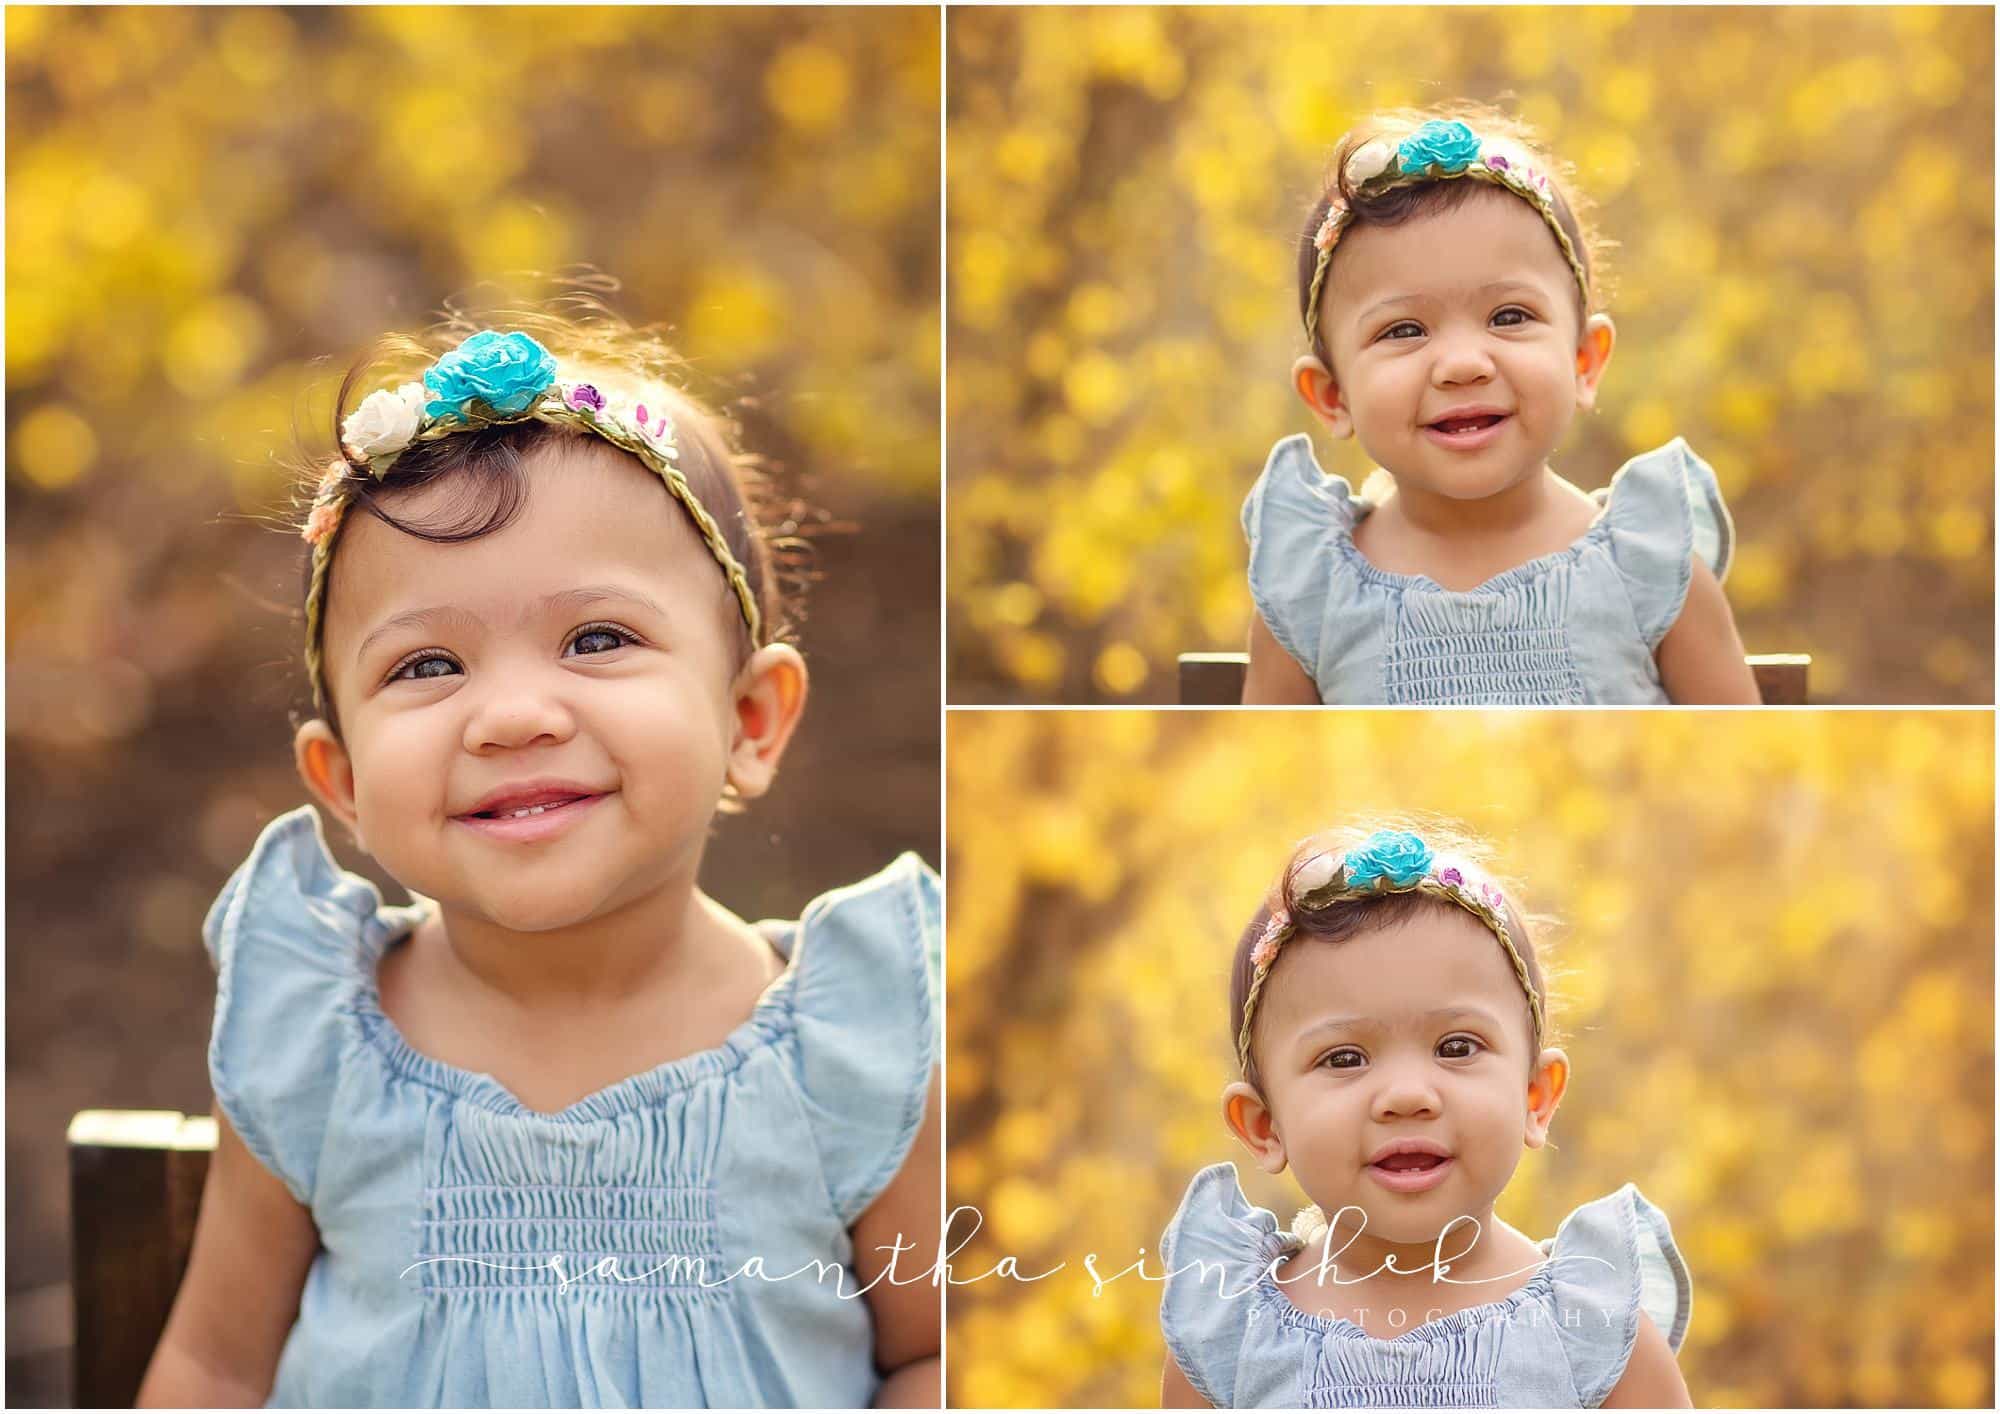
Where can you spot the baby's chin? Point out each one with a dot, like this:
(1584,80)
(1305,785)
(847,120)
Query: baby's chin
(1463,477)
(522,904)
(539,911)
(1411,1219)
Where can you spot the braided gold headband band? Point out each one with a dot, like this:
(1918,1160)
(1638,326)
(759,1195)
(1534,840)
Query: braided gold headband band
(491,379)
(1437,151)
(1390,862)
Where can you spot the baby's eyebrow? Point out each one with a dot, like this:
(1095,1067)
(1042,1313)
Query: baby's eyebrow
(1496,287)
(1447,1013)
(562,599)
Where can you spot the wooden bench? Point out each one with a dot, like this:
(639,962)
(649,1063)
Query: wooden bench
(1216,679)
(135,1179)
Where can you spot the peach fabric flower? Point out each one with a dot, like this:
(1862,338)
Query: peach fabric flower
(320,523)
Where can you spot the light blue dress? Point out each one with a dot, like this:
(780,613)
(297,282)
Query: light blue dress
(1576,626)
(768,1146)
(1559,1342)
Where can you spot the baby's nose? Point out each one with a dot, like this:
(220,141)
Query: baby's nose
(518,716)
(1461,358)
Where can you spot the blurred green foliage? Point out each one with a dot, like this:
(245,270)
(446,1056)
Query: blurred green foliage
(1773,974)
(1802,201)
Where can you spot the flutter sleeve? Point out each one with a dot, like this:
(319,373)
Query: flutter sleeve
(1664,507)
(1215,1251)
(866,1025)
(1294,518)
(289,937)
(1610,1260)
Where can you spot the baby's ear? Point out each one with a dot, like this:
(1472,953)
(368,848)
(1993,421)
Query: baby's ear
(770,694)
(1249,1119)
(328,773)
(1317,389)
(1545,1092)
(1593,352)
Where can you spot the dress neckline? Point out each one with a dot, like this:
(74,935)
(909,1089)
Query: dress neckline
(769,1019)
(1539,1285)
(1525,572)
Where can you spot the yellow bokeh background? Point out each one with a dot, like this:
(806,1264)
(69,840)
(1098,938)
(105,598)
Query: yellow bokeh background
(1802,201)
(1772,971)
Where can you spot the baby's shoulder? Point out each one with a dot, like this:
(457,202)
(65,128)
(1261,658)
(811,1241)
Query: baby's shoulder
(864,985)
(1221,1255)
(1662,509)
(1293,491)
(1610,1260)
(294,940)
(1300,523)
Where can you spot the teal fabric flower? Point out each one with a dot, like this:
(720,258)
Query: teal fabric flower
(1445,147)
(507,372)
(1395,855)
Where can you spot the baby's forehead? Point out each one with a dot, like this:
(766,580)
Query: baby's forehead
(565,487)
(585,510)
(1404,971)
(1490,236)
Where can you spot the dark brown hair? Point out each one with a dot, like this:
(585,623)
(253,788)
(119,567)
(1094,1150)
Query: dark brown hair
(485,466)
(1344,919)
(1403,204)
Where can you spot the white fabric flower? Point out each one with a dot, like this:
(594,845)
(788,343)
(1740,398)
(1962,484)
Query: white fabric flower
(640,416)
(1315,873)
(385,422)
(1369,161)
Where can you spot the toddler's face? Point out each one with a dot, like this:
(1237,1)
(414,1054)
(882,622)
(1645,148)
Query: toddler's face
(587,648)
(1419,1031)
(1473,313)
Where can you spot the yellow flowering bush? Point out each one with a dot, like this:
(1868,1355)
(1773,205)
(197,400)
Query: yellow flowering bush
(1802,201)
(1773,973)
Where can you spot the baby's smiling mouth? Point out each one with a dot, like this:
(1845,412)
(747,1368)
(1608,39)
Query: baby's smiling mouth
(1410,1163)
(1477,422)
(526,811)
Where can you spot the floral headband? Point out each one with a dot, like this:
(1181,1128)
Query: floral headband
(489,379)
(1437,151)
(1390,862)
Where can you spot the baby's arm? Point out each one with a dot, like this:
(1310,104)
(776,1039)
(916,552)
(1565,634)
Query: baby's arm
(1275,677)
(1651,1378)
(1701,658)
(1175,1391)
(907,1306)
(253,1243)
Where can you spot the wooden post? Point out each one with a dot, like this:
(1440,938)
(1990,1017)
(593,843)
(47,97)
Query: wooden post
(135,1179)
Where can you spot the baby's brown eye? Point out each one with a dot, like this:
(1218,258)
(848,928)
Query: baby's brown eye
(420,668)
(1458,1047)
(1346,1059)
(600,638)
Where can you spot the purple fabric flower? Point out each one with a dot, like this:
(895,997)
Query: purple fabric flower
(1450,876)
(585,395)
(1497,162)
